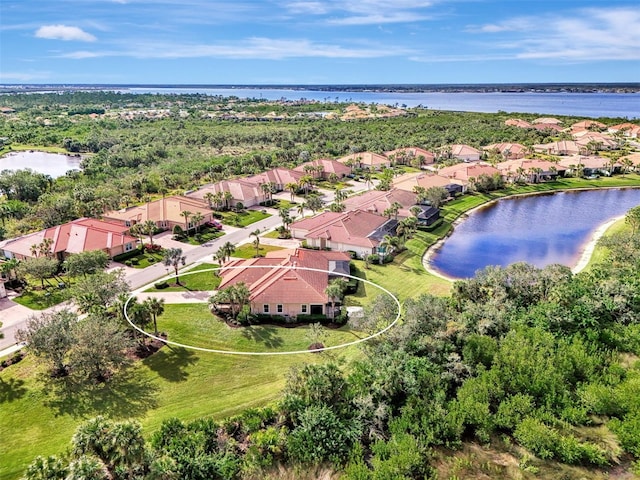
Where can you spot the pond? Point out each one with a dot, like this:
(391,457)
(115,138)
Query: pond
(53,164)
(540,230)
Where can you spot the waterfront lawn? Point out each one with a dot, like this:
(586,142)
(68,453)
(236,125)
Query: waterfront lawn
(599,252)
(248,250)
(193,282)
(39,415)
(405,277)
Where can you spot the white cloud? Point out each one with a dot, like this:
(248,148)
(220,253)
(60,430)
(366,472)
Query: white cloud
(252,48)
(64,32)
(363,12)
(584,35)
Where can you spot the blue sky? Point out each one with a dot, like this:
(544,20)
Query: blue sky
(318,41)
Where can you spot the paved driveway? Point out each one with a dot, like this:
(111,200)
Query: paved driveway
(13,316)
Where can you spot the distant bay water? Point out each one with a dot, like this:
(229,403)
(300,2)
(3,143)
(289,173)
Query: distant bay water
(591,105)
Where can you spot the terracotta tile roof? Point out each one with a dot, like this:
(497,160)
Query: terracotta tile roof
(512,166)
(413,152)
(547,121)
(164,209)
(587,124)
(368,159)
(590,161)
(464,171)
(329,166)
(548,126)
(461,149)
(514,150)
(80,235)
(279,176)
(426,180)
(562,147)
(269,284)
(516,122)
(240,189)
(377,201)
(351,228)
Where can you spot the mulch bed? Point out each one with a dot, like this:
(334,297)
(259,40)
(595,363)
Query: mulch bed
(140,352)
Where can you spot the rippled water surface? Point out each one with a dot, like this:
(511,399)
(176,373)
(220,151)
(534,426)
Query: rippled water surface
(540,229)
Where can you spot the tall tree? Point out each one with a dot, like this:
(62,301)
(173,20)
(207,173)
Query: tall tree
(186,214)
(149,228)
(256,242)
(98,292)
(174,258)
(41,268)
(335,291)
(156,308)
(50,335)
(86,263)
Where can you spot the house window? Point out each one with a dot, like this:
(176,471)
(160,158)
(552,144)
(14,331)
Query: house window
(304,308)
(127,223)
(279,308)
(128,247)
(265,308)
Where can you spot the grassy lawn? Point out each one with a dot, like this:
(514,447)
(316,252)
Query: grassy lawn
(195,282)
(41,299)
(39,416)
(143,259)
(206,235)
(243,218)
(405,277)
(249,251)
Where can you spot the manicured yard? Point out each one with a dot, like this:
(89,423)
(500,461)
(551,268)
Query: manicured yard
(203,281)
(203,236)
(142,259)
(39,416)
(41,299)
(249,251)
(405,277)
(243,218)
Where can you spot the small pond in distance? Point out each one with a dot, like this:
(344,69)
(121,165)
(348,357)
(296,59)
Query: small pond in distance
(540,230)
(53,164)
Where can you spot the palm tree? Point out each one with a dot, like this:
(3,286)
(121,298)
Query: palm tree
(155,306)
(220,256)
(209,197)
(186,214)
(173,257)
(228,248)
(286,219)
(340,195)
(197,218)
(300,209)
(218,200)
(149,228)
(256,242)
(334,291)
(292,188)
(227,197)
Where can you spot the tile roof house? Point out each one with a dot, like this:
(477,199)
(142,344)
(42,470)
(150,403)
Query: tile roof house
(409,155)
(165,212)
(428,180)
(562,147)
(588,125)
(357,231)
(627,129)
(510,151)
(547,127)
(377,201)
(516,122)
(590,165)
(465,153)
(279,283)
(602,141)
(465,172)
(547,121)
(369,160)
(530,170)
(81,235)
(279,176)
(241,191)
(328,167)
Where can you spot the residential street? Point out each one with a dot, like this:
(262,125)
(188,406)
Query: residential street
(14,316)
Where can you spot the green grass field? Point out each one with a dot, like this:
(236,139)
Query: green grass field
(204,281)
(248,250)
(39,416)
(243,218)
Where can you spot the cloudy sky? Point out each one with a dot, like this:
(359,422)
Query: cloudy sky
(319,41)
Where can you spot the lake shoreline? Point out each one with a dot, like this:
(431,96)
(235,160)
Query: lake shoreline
(585,252)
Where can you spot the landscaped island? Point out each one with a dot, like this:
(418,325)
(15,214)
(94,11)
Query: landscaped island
(536,367)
